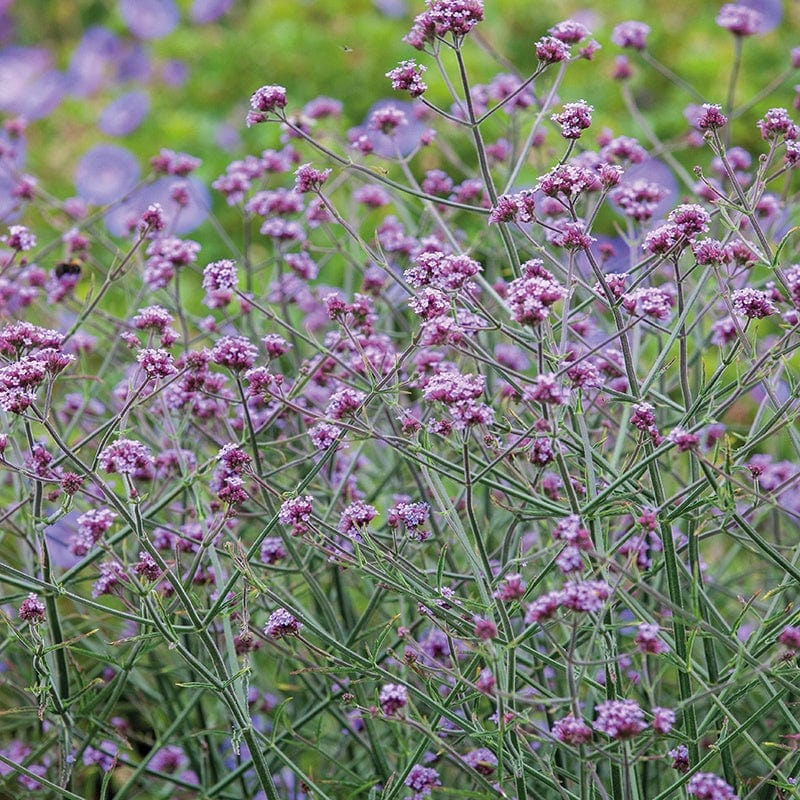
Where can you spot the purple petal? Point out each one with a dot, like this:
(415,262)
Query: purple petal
(125,114)
(174,72)
(122,218)
(149,19)
(134,64)
(106,173)
(771,13)
(43,95)
(205,11)
(20,68)
(90,65)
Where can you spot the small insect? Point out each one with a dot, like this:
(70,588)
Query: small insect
(71,267)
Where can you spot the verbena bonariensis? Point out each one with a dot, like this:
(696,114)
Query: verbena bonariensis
(472,465)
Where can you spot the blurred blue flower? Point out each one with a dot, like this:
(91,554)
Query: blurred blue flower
(124,115)
(205,11)
(107,172)
(149,19)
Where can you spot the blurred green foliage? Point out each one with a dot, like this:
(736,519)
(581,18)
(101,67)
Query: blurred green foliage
(343,49)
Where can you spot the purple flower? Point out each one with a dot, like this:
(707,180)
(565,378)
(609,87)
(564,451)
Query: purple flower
(20,238)
(512,587)
(631,34)
(282,623)
(112,573)
(310,179)
(296,512)
(680,758)
(707,786)
(264,101)
(169,759)
(569,31)
(551,50)
(105,173)
(481,760)
(421,780)
(530,296)
(157,363)
(690,219)
(344,403)
(683,439)
(647,640)
(790,637)
(572,730)
(125,456)
(147,567)
(220,279)
(91,527)
(585,596)
(663,719)
(407,77)
(777,123)
(234,352)
(204,11)
(150,19)
(272,550)
(32,609)
(619,719)
(574,119)
(484,628)
(104,756)
(125,114)
(711,117)
(387,120)
(752,303)
(355,518)
(739,19)
(392,698)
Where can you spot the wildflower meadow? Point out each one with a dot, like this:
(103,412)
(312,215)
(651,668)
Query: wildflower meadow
(435,442)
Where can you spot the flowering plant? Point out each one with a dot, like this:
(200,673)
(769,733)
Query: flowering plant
(465,470)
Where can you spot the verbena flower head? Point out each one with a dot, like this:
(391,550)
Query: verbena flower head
(296,512)
(265,101)
(752,303)
(481,760)
(443,17)
(619,719)
(421,780)
(574,119)
(530,297)
(237,353)
(572,730)
(310,179)
(569,31)
(740,20)
(551,50)
(125,456)
(777,124)
(680,758)
(707,786)
(631,34)
(282,623)
(711,117)
(407,77)
(393,697)
(663,720)
(32,610)
(220,279)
